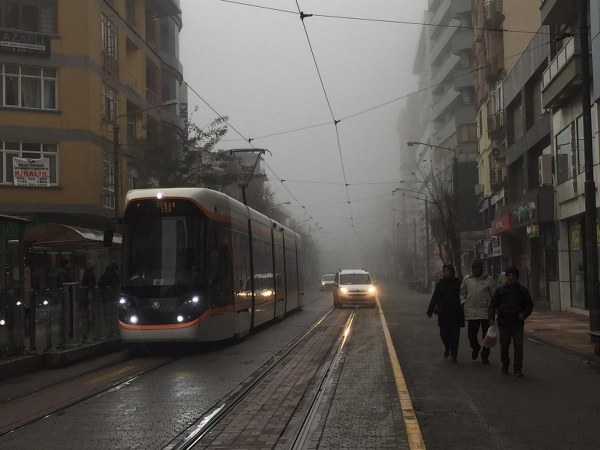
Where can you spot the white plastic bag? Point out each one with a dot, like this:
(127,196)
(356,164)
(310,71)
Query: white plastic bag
(491,337)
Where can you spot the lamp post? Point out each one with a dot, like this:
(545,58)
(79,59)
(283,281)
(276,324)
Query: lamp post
(427,249)
(260,151)
(591,240)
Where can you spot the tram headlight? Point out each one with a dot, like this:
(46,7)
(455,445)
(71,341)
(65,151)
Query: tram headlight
(133,319)
(192,301)
(124,302)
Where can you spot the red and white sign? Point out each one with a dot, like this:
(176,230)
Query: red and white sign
(501,224)
(31,172)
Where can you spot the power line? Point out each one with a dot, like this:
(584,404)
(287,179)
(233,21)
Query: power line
(390,21)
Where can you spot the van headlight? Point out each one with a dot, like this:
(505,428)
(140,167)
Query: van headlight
(372,290)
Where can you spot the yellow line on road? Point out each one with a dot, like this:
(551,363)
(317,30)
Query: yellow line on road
(110,375)
(415,438)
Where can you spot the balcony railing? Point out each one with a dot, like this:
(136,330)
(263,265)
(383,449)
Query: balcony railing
(152,97)
(496,121)
(110,64)
(570,49)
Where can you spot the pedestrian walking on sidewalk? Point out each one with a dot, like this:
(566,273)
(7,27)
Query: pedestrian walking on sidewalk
(445,302)
(476,292)
(510,306)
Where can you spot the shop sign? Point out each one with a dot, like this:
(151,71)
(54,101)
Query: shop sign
(496,246)
(575,239)
(501,224)
(31,172)
(25,44)
(524,213)
(533,231)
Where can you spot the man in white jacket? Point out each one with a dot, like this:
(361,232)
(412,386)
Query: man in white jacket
(476,292)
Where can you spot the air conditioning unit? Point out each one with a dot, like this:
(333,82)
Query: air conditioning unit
(545,170)
(478,190)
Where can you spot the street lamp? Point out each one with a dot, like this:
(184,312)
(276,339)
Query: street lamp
(427,250)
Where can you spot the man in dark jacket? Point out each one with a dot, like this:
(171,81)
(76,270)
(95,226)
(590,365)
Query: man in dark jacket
(512,304)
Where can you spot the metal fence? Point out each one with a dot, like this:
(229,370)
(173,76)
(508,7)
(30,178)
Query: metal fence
(59,318)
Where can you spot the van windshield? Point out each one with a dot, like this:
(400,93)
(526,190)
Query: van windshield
(355,278)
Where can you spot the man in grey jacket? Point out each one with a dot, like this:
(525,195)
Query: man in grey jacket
(475,294)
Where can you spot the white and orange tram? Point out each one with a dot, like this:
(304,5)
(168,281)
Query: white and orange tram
(200,266)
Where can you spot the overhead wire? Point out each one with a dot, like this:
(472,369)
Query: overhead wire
(334,120)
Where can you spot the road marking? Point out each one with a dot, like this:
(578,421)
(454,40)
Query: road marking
(413,431)
(110,375)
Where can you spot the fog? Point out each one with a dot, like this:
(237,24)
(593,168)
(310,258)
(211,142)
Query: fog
(255,65)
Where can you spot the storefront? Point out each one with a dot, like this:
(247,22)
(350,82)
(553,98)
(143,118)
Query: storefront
(528,240)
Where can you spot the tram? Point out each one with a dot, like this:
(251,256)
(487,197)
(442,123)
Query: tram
(200,266)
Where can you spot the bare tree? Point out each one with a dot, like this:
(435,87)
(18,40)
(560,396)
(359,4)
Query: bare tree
(444,217)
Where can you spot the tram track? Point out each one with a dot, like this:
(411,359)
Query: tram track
(53,398)
(303,417)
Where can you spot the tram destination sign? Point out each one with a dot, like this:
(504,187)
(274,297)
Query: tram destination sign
(24,44)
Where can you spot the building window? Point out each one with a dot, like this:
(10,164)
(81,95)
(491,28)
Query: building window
(108,181)
(109,103)
(37,16)
(564,154)
(30,150)
(466,133)
(28,87)
(109,46)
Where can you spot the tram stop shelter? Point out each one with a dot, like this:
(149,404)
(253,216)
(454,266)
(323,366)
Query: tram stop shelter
(12,285)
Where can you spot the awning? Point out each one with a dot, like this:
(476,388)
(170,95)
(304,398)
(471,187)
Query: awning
(59,235)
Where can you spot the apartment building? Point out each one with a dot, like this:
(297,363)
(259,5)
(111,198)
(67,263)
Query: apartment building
(447,143)
(504,29)
(74,75)
(562,97)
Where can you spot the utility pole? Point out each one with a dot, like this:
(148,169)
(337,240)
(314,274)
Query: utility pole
(260,151)
(591,240)
(116,169)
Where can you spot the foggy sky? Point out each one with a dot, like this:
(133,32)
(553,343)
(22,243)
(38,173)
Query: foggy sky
(255,66)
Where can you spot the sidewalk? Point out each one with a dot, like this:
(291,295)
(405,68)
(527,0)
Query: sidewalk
(562,329)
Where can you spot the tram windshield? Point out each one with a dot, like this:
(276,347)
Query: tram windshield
(165,253)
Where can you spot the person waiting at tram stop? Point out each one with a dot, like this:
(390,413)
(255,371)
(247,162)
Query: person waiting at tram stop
(88,279)
(476,292)
(110,278)
(445,302)
(510,306)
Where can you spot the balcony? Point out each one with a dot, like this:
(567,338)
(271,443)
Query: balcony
(495,122)
(562,78)
(110,64)
(556,12)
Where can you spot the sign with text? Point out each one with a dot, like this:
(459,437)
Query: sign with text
(24,43)
(31,172)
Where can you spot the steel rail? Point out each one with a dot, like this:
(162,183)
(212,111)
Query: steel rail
(205,424)
(303,432)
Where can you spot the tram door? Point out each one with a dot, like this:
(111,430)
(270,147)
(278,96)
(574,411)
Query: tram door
(279,273)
